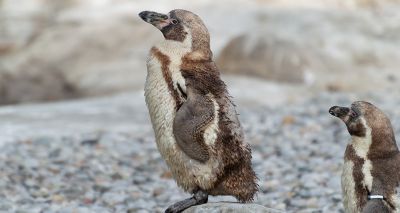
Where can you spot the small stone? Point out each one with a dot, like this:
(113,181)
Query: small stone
(113,198)
(229,207)
(136,194)
(90,142)
(140,179)
(166,174)
(5,207)
(288,120)
(57,198)
(87,201)
(158,191)
(55,153)
(116,176)
(100,188)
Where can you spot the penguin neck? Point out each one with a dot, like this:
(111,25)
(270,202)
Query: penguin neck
(374,147)
(361,145)
(172,47)
(383,147)
(193,49)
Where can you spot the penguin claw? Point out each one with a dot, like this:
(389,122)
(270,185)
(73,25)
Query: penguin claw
(172,210)
(199,197)
(180,206)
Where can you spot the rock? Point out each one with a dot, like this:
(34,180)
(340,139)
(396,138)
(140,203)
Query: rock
(317,51)
(57,198)
(90,142)
(5,207)
(113,198)
(266,57)
(58,50)
(230,207)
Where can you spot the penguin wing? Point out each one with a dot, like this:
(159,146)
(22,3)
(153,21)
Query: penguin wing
(373,206)
(191,120)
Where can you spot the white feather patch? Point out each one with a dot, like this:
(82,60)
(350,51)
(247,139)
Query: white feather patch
(211,132)
(361,146)
(175,50)
(348,188)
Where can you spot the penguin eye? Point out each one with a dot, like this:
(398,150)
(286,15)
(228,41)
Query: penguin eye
(353,114)
(174,21)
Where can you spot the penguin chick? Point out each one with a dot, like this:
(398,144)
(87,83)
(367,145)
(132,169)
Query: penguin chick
(194,119)
(370,178)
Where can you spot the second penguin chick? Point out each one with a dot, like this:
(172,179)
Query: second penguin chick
(371,169)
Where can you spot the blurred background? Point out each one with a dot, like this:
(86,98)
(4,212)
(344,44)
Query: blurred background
(74,130)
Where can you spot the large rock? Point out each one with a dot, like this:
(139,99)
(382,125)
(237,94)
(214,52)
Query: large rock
(337,50)
(267,57)
(230,207)
(54,50)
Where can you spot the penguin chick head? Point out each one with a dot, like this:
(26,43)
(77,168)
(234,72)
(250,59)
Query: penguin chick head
(177,24)
(185,27)
(353,117)
(362,117)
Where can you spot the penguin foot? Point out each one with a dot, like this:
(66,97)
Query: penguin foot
(200,197)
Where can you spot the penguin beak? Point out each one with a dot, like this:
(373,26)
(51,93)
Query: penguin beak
(158,20)
(344,113)
(338,111)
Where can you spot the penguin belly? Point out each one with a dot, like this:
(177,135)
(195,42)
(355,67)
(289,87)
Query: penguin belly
(188,173)
(348,188)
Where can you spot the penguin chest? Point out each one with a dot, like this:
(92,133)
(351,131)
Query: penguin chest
(349,188)
(356,180)
(161,103)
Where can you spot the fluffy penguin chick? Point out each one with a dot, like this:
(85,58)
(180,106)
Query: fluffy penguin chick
(371,170)
(195,122)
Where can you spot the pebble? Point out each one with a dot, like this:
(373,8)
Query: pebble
(114,198)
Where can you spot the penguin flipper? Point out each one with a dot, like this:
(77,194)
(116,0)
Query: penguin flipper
(190,122)
(374,206)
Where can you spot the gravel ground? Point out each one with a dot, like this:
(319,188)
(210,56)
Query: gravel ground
(297,154)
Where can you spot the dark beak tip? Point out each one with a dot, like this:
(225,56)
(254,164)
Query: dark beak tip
(332,110)
(142,14)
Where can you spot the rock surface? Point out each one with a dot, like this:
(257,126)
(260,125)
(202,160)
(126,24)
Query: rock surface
(224,207)
(319,50)
(68,49)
